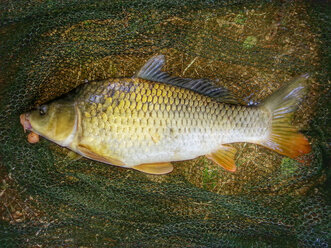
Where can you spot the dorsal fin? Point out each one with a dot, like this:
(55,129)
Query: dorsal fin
(152,71)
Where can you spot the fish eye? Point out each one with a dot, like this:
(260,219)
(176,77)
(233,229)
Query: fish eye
(42,109)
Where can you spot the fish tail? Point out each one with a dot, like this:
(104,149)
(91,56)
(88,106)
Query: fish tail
(284,138)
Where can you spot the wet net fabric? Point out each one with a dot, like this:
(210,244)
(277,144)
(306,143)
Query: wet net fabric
(49,199)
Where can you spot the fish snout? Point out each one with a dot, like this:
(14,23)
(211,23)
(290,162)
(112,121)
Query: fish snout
(24,120)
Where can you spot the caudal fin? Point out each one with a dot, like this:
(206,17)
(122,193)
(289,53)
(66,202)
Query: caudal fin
(284,138)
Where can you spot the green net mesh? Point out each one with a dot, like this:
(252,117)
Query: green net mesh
(48,199)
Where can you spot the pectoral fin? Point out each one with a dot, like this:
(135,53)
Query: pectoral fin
(224,157)
(155,168)
(86,151)
(73,156)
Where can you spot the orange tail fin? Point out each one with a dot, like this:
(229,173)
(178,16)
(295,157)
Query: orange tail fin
(283,137)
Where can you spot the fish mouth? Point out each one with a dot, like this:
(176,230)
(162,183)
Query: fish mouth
(25,122)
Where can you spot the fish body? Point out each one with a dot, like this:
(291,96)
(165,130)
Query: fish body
(138,121)
(149,120)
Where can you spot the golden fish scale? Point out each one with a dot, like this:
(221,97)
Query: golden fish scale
(138,121)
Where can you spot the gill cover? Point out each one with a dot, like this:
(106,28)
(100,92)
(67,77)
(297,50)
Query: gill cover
(55,121)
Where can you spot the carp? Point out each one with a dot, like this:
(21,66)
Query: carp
(152,119)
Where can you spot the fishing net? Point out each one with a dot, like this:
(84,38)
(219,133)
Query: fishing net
(49,199)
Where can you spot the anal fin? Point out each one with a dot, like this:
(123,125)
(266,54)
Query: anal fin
(155,168)
(224,157)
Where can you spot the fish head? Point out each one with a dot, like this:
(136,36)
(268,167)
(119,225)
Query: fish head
(55,121)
